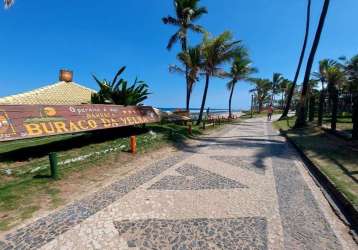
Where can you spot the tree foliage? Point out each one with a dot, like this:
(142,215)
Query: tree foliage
(186,12)
(118,91)
(8,3)
(215,52)
(301,119)
(192,62)
(241,70)
(262,90)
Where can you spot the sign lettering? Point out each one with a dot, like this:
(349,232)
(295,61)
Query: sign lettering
(28,121)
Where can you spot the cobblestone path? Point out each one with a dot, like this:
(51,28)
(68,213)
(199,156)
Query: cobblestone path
(243,188)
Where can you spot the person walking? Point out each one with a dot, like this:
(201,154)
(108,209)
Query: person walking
(269,112)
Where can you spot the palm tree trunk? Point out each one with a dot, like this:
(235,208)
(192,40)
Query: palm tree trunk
(355,118)
(188,96)
(187,102)
(187,89)
(184,46)
(292,89)
(334,109)
(300,122)
(204,99)
(312,107)
(321,107)
(260,106)
(230,99)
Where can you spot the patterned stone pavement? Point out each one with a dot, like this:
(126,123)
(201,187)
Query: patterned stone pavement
(195,178)
(195,233)
(241,188)
(242,162)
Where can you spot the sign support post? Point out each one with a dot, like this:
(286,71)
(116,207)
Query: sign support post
(53,166)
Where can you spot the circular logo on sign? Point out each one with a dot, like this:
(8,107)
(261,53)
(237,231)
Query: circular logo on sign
(4,124)
(48,111)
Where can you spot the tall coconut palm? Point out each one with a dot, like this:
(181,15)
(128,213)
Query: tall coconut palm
(8,3)
(355,118)
(284,88)
(335,78)
(321,76)
(241,70)
(262,91)
(300,61)
(187,12)
(215,52)
(301,121)
(311,98)
(351,69)
(191,59)
(277,80)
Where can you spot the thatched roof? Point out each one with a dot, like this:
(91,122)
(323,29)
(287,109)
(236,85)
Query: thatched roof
(65,93)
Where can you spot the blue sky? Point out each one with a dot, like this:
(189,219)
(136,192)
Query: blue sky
(37,38)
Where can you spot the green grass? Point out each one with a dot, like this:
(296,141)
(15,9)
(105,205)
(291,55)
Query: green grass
(18,201)
(247,114)
(336,158)
(6,147)
(344,123)
(21,195)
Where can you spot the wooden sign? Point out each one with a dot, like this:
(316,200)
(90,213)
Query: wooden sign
(28,121)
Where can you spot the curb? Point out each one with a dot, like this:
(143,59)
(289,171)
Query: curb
(340,204)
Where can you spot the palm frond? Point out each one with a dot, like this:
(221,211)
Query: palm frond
(8,3)
(118,92)
(176,69)
(196,28)
(173,39)
(199,12)
(187,11)
(120,71)
(230,85)
(170,20)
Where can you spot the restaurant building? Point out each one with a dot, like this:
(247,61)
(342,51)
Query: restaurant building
(64,92)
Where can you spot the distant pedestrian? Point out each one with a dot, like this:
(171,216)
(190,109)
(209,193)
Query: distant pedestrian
(269,113)
(208,112)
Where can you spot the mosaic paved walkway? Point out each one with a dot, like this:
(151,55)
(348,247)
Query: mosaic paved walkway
(243,188)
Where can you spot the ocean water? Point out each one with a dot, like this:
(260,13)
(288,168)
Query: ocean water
(197,110)
(194,112)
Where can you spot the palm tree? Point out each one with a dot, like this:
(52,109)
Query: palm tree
(8,3)
(215,52)
(300,61)
(191,59)
(335,78)
(321,76)
(262,90)
(187,12)
(301,121)
(277,79)
(284,88)
(240,71)
(351,69)
(311,98)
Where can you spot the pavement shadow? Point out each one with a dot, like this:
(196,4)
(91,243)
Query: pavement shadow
(265,146)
